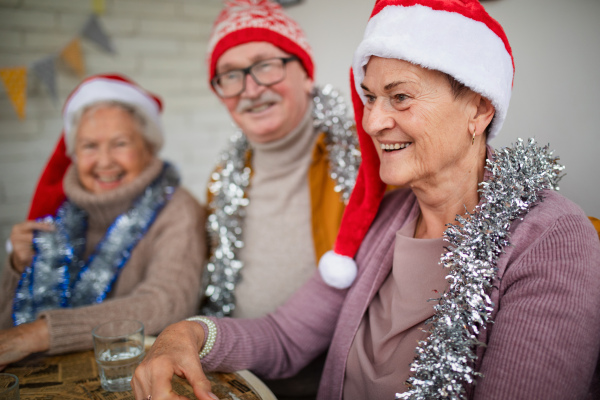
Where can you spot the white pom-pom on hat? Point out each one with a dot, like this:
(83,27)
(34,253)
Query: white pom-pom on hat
(337,271)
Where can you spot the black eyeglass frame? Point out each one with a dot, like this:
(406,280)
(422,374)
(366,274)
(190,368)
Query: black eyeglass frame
(248,71)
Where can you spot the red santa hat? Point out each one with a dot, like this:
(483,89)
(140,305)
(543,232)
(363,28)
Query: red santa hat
(244,21)
(457,37)
(49,194)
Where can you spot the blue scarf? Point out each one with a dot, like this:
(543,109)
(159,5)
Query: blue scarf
(59,277)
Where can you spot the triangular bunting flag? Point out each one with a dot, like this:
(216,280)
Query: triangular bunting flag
(98,6)
(45,70)
(93,31)
(71,54)
(15,82)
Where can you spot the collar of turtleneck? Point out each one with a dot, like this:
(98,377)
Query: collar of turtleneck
(289,150)
(104,208)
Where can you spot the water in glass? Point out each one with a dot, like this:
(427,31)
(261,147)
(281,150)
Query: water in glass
(116,366)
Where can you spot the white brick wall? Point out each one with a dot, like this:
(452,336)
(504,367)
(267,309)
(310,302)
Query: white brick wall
(30,19)
(160,44)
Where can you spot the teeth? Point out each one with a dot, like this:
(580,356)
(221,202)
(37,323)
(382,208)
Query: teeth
(259,108)
(106,179)
(394,146)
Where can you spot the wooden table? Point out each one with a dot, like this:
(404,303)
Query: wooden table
(74,376)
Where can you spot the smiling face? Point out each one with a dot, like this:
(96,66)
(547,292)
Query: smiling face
(266,113)
(422,132)
(110,150)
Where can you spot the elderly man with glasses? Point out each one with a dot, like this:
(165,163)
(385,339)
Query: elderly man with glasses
(276,198)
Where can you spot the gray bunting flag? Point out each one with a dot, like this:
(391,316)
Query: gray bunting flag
(93,31)
(45,70)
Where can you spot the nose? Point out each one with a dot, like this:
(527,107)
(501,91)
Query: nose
(104,157)
(378,117)
(252,89)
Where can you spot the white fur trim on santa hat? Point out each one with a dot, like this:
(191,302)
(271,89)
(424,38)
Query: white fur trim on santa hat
(105,89)
(449,42)
(336,270)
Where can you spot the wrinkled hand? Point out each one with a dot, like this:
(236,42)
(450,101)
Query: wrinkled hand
(21,237)
(175,352)
(20,341)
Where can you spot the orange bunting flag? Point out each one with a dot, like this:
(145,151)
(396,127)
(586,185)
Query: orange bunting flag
(71,54)
(15,82)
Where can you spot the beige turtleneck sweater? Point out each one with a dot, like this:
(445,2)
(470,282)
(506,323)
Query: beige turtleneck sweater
(158,286)
(278,252)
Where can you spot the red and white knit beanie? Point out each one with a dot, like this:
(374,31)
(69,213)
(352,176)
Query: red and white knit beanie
(457,37)
(49,194)
(244,21)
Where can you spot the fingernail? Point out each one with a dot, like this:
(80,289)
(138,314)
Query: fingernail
(212,395)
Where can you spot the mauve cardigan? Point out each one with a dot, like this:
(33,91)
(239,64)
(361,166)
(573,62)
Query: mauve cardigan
(543,345)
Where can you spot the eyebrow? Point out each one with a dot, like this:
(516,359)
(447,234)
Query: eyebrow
(257,58)
(387,87)
(225,68)
(392,85)
(267,56)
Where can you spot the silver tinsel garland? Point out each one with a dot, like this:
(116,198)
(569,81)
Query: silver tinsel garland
(59,276)
(230,181)
(444,364)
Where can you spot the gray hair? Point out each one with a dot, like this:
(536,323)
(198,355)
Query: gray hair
(138,116)
(460,89)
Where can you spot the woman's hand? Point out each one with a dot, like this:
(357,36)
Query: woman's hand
(175,352)
(21,237)
(20,341)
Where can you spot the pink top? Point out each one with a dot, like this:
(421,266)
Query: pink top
(384,345)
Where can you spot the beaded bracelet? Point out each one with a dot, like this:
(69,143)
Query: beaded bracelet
(212,335)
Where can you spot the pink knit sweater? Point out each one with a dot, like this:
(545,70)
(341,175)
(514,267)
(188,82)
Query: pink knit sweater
(544,343)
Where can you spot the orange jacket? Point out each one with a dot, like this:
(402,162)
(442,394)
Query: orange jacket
(327,205)
(596,223)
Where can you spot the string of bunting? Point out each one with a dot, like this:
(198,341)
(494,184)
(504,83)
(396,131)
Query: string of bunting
(15,78)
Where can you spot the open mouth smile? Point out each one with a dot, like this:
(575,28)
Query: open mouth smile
(388,147)
(110,179)
(259,108)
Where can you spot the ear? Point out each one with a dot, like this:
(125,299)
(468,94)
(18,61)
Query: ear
(308,84)
(483,113)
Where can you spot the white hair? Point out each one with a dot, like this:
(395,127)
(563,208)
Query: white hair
(138,116)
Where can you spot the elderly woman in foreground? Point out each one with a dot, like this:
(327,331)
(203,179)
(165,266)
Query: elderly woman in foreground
(126,243)
(514,279)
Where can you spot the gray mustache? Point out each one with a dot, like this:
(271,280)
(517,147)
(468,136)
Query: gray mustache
(266,97)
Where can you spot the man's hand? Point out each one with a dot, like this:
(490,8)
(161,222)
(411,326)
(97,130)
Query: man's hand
(21,237)
(175,352)
(20,341)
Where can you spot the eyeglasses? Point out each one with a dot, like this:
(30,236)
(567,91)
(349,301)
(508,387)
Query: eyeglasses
(265,72)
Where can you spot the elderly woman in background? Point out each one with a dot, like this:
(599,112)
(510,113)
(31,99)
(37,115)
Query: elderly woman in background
(127,243)
(516,311)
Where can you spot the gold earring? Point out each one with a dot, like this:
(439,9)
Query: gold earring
(473,141)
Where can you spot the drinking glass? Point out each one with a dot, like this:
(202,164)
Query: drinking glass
(119,348)
(9,387)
